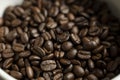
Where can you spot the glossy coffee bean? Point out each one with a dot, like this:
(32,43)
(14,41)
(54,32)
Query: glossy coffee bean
(69,76)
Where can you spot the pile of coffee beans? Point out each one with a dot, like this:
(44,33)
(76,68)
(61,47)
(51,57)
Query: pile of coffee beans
(60,40)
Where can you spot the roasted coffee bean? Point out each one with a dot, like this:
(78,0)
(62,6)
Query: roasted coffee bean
(64,9)
(63,37)
(7,53)
(69,76)
(94,31)
(75,62)
(75,38)
(71,53)
(112,66)
(84,55)
(92,77)
(48,46)
(48,65)
(24,38)
(98,49)
(83,32)
(34,57)
(17,47)
(38,51)
(49,56)
(2,47)
(40,78)
(24,54)
(67,46)
(91,64)
(67,26)
(90,43)
(78,71)
(29,70)
(58,76)
(99,73)
(75,30)
(113,51)
(21,62)
(15,67)
(16,22)
(34,32)
(16,74)
(65,61)
(68,69)
(7,63)
(59,54)
(3,32)
(11,35)
(19,11)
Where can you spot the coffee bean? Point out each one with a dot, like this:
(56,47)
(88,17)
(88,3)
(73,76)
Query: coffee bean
(68,69)
(112,66)
(51,24)
(11,35)
(69,76)
(2,47)
(75,30)
(7,63)
(24,38)
(58,76)
(92,77)
(64,9)
(15,67)
(84,55)
(34,57)
(75,38)
(94,31)
(7,53)
(19,11)
(17,47)
(83,32)
(16,74)
(65,61)
(39,41)
(78,71)
(67,46)
(91,64)
(40,78)
(48,65)
(50,56)
(21,62)
(99,73)
(113,51)
(75,62)
(16,22)
(63,37)
(71,53)
(25,54)
(48,46)
(3,32)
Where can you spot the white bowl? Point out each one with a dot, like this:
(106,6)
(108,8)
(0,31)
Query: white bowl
(113,4)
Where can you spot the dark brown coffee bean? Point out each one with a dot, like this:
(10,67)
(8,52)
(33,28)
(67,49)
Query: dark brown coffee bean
(78,71)
(113,51)
(16,74)
(21,62)
(46,36)
(83,32)
(11,35)
(25,54)
(40,78)
(15,67)
(47,75)
(63,37)
(91,64)
(49,56)
(111,66)
(34,32)
(34,57)
(68,69)
(7,63)
(41,27)
(3,32)
(75,38)
(81,21)
(17,47)
(38,51)
(94,31)
(71,16)
(24,38)
(54,11)
(48,65)
(75,62)
(65,61)
(92,77)
(59,54)
(101,64)
(19,11)
(64,9)
(51,24)
(105,32)
(67,46)
(67,26)
(84,55)
(7,53)
(53,35)
(71,53)
(29,70)
(90,43)
(99,73)
(58,76)
(49,46)
(98,49)
(69,76)
(16,22)
(39,41)
(75,30)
